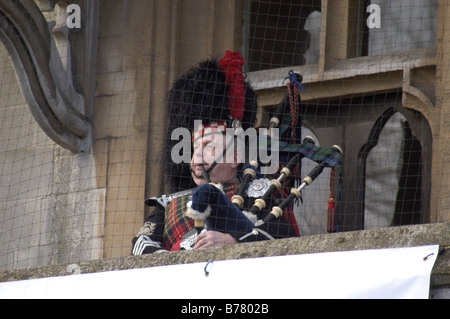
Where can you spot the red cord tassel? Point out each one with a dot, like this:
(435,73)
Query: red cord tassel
(331,215)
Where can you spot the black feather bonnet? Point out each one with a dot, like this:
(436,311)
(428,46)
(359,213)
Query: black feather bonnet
(214,90)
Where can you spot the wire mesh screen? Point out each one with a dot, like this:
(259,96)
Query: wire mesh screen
(130,128)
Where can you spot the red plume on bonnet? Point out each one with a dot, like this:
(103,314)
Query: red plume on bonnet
(232,64)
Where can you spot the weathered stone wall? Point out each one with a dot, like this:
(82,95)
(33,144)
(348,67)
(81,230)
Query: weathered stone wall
(51,206)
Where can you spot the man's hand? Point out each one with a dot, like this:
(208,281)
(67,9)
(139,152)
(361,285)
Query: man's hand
(213,239)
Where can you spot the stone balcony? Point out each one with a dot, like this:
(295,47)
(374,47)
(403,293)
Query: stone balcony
(394,237)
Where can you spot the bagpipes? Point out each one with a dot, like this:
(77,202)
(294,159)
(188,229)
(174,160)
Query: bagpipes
(210,208)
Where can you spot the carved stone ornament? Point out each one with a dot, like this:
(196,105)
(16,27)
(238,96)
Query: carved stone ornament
(45,81)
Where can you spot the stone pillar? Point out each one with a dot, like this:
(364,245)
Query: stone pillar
(440,199)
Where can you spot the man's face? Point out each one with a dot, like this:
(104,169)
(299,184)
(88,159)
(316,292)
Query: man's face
(208,149)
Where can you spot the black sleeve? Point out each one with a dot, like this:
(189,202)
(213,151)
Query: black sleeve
(156,218)
(152,233)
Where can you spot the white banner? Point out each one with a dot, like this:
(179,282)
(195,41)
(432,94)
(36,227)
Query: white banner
(365,274)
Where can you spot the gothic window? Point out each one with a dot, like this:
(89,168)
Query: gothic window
(393,179)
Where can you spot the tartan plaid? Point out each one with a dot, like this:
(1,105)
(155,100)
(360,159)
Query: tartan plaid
(331,157)
(317,154)
(176,224)
(208,129)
